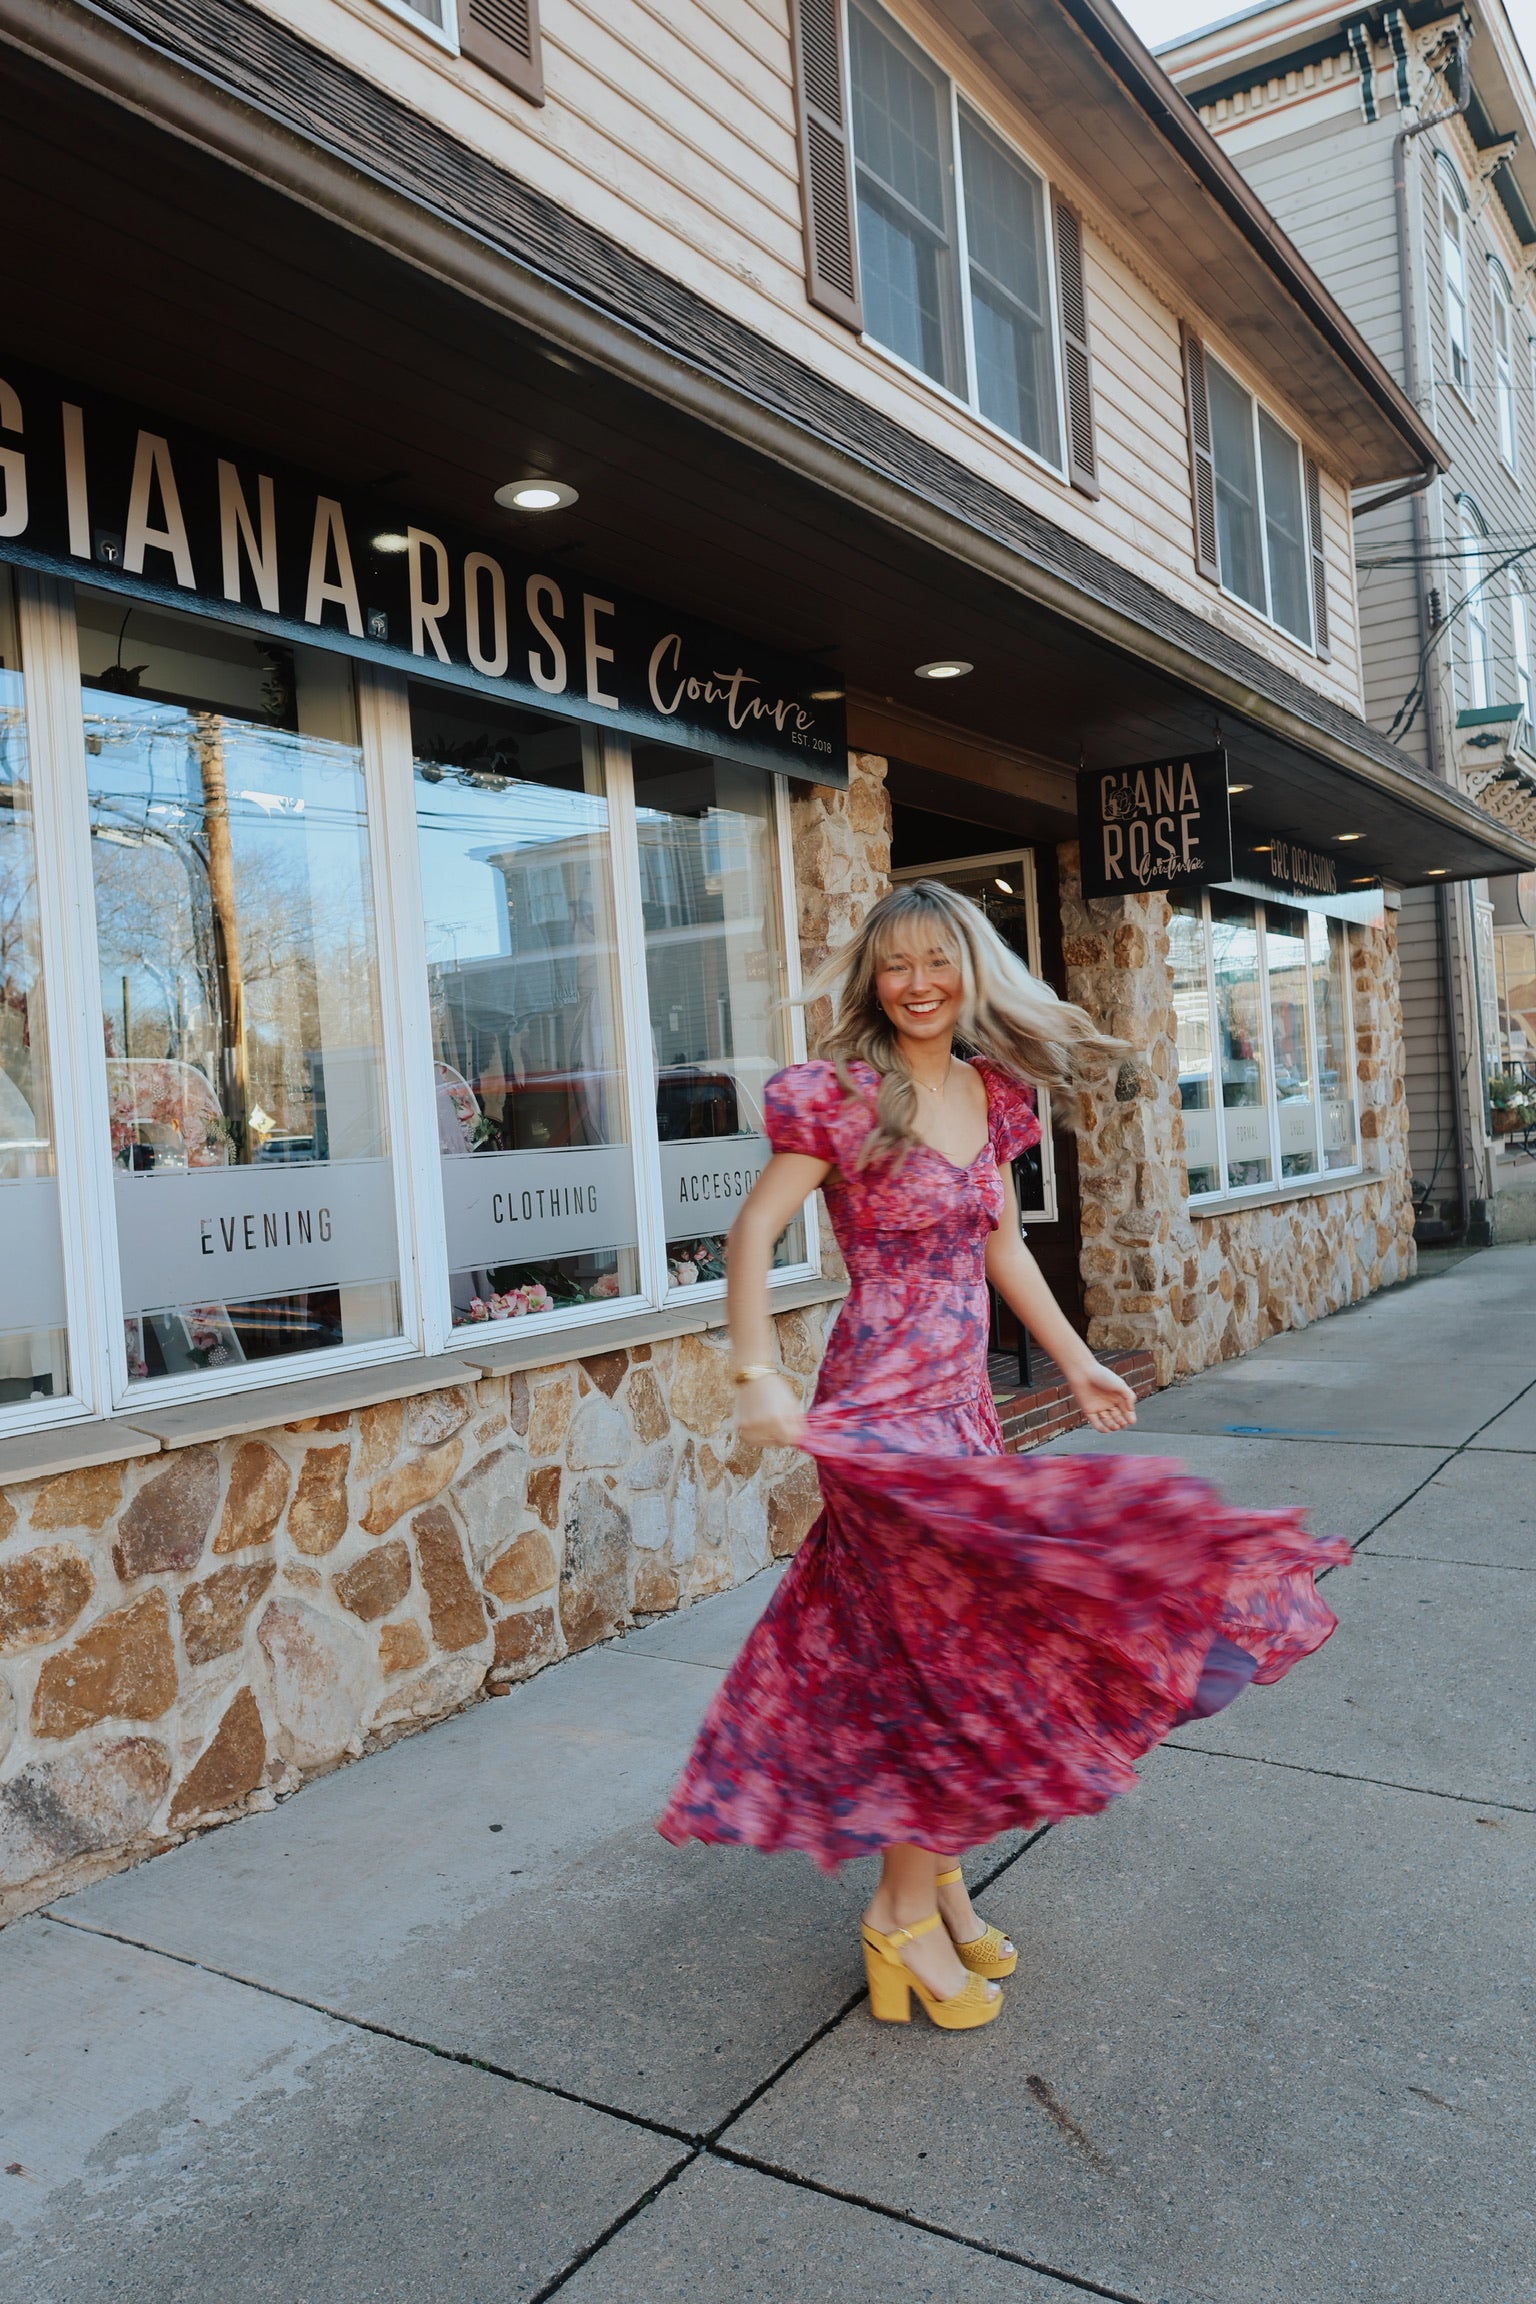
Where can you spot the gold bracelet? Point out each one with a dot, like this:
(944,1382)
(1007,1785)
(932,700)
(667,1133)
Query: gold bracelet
(750,1375)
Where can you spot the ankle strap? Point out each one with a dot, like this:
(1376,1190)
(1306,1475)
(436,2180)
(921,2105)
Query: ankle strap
(910,1935)
(948,1879)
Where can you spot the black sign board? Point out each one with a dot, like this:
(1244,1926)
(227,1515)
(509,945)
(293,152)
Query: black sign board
(94,489)
(1164,824)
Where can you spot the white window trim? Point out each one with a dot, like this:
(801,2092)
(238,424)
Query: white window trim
(444,35)
(1501,304)
(967,400)
(100,1386)
(1265,614)
(1478,661)
(1446,176)
(1276,1187)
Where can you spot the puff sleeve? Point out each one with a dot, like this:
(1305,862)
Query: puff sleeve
(800,1105)
(1015,1126)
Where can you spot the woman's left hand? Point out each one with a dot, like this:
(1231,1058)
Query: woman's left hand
(1106,1400)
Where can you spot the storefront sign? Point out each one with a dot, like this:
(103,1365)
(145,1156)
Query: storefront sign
(1165,824)
(515,1207)
(705,1180)
(229,1235)
(94,489)
(32,1298)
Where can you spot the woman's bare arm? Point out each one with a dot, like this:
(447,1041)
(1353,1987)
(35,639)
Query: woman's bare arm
(1105,1398)
(771,1416)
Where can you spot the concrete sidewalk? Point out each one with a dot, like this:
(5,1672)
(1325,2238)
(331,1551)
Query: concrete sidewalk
(454,2025)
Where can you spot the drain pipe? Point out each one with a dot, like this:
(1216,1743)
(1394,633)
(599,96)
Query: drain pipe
(1421,540)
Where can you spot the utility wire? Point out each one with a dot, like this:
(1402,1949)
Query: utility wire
(1408,710)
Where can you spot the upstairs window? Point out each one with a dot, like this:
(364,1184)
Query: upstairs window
(1257,501)
(1475,602)
(1520,632)
(1458,335)
(1504,365)
(930,234)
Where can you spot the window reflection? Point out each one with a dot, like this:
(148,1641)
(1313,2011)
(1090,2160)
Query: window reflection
(1240,1039)
(33,1358)
(1335,1061)
(239,990)
(1192,1009)
(538,1185)
(1285,953)
(714,975)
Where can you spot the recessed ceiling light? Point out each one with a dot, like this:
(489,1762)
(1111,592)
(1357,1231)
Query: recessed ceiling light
(1005,885)
(1262,849)
(535,494)
(945,668)
(391,541)
(1436,871)
(1341,836)
(1364,880)
(1239,787)
(826,695)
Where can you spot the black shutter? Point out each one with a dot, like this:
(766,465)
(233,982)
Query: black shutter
(1202,463)
(826,161)
(502,36)
(1082,460)
(1319,559)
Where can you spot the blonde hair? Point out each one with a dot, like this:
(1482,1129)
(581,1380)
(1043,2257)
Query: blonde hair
(1006,1014)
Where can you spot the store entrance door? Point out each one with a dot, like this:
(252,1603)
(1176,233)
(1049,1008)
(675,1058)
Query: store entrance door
(1017,890)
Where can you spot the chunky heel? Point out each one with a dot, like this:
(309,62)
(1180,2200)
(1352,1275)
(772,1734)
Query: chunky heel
(988,1954)
(890,1990)
(892,1984)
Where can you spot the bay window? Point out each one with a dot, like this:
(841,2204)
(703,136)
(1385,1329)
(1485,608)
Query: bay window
(1266,1069)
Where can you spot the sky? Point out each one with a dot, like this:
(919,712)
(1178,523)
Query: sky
(1159,20)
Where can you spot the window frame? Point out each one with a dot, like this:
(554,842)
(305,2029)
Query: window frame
(1279,1186)
(100,1385)
(1477,660)
(444,35)
(1256,406)
(968,400)
(1520,643)
(1501,304)
(1456,302)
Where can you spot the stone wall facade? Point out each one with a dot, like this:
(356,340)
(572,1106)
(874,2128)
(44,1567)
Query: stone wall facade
(1193,1289)
(189,1634)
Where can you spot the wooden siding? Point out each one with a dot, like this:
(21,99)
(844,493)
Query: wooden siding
(671,127)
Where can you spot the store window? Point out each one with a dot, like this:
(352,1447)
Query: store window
(954,250)
(34,1360)
(1515,974)
(240,1011)
(716,990)
(1261,996)
(527,1038)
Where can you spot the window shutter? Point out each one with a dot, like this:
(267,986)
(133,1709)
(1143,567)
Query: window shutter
(1082,460)
(1319,559)
(1202,463)
(826,161)
(502,36)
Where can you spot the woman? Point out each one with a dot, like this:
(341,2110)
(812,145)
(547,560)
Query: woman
(967,1641)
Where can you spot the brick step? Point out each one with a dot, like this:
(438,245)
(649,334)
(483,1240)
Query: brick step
(1044,1409)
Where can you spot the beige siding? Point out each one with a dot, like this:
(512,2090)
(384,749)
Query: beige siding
(1432,1130)
(671,128)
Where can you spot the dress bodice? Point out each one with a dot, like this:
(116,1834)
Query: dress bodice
(913,1333)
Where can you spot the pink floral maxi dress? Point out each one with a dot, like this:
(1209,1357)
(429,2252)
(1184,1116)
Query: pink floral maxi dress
(969,1641)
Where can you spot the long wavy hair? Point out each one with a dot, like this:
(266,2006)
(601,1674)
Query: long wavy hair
(1006,1015)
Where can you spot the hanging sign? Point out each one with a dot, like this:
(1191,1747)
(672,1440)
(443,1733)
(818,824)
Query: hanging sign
(94,489)
(1165,824)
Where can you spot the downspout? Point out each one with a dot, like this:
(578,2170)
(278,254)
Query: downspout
(1420,513)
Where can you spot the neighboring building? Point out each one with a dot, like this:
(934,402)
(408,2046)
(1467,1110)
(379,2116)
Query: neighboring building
(417,880)
(1398,149)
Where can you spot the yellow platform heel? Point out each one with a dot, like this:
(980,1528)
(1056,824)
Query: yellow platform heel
(892,1984)
(984,1954)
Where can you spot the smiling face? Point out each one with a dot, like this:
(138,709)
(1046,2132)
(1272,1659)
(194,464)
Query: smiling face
(919,985)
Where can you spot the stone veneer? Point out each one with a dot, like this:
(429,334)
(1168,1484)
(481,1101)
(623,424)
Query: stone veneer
(1195,1289)
(193,1633)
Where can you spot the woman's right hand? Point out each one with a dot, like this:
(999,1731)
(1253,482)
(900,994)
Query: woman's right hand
(769,1415)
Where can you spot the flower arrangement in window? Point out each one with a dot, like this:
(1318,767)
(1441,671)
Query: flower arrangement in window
(1511,1103)
(704,1260)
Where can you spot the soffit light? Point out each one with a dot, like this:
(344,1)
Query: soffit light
(391,541)
(1005,885)
(1343,836)
(536,493)
(944,668)
(1435,872)
(1263,849)
(826,695)
(1239,787)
